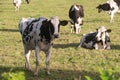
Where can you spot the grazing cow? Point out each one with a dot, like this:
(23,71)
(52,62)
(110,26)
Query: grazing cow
(76,14)
(111,7)
(96,40)
(17,4)
(38,34)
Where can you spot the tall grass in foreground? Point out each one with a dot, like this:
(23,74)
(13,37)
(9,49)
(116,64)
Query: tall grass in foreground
(18,75)
(103,75)
(107,75)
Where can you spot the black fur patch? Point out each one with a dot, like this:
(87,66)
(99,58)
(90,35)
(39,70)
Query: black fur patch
(90,37)
(47,30)
(105,7)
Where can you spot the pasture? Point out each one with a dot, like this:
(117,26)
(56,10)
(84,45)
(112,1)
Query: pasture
(68,62)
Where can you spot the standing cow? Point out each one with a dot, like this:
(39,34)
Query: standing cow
(38,34)
(17,4)
(76,14)
(111,7)
(96,40)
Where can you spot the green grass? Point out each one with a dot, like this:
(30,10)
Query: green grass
(67,61)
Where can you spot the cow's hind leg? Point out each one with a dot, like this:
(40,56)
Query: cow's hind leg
(27,63)
(48,55)
(82,40)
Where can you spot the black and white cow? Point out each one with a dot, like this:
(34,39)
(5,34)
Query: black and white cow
(76,14)
(96,40)
(38,34)
(111,7)
(17,4)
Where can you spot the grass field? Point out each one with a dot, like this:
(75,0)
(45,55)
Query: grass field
(67,61)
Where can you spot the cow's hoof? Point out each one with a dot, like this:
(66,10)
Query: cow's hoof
(29,69)
(35,74)
(48,73)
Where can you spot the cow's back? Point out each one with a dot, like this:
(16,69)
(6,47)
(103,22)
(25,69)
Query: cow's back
(90,37)
(23,23)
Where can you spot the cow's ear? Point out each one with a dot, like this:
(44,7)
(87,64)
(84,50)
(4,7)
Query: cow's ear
(108,30)
(63,22)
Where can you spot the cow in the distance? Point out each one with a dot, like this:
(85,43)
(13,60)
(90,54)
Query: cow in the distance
(39,34)
(76,14)
(17,4)
(96,40)
(111,7)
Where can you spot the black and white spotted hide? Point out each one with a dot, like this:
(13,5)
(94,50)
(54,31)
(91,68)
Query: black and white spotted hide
(76,14)
(96,40)
(39,34)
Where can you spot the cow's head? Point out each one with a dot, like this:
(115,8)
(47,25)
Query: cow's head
(55,23)
(104,7)
(102,32)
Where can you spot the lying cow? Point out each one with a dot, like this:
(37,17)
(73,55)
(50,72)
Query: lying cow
(76,14)
(111,7)
(38,34)
(17,4)
(96,40)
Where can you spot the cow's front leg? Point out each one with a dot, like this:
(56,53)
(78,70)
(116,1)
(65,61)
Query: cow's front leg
(37,60)
(104,45)
(96,46)
(48,55)
(27,55)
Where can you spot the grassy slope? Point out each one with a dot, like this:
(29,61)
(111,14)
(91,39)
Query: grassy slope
(67,62)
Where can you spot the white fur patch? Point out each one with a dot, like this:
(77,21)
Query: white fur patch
(76,7)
